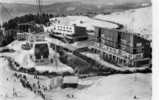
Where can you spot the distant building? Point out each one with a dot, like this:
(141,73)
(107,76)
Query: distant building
(122,48)
(30,27)
(23,36)
(37,37)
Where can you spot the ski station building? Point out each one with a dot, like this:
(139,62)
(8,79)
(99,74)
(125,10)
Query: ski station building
(71,32)
(122,48)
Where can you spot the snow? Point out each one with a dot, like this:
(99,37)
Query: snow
(60,68)
(113,87)
(8,82)
(123,87)
(23,58)
(87,22)
(134,20)
(16,45)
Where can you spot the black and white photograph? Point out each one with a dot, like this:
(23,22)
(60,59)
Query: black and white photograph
(76,50)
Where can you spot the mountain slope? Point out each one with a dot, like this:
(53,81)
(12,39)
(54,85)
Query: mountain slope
(134,20)
(96,2)
(8,10)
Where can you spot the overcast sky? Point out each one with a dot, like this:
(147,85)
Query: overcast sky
(34,1)
(54,1)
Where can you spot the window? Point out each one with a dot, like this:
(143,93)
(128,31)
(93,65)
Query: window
(139,44)
(123,41)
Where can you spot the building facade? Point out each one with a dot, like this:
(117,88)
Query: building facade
(23,36)
(70,32)
(37,37)
(42,53)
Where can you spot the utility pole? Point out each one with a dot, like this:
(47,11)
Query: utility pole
(100,43)
(39,7)
(39,10)
(55,57)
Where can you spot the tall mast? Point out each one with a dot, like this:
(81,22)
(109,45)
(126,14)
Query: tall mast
(39,10)
(39,7)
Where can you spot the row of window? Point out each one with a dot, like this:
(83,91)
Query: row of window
(59,30)
(112,57)
(120,52)
(62,27)
(119,60)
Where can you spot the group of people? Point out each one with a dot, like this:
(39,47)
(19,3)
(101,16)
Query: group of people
(37,88)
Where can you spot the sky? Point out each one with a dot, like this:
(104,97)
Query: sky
(54,1)
(34,1)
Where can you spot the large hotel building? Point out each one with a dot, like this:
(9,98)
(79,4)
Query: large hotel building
(122,48)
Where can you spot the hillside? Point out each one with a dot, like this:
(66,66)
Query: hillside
(134,20)
(95,2)
(10,10)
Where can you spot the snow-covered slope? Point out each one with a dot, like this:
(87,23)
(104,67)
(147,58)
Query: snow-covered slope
(8,83)
(134,20)
(113,87)
(122,87)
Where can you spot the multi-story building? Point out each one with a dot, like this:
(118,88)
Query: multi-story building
(70,32)
(122,48)
(30,27)
(23,36)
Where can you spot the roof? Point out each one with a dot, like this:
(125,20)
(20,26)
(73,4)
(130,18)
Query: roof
(70,79)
